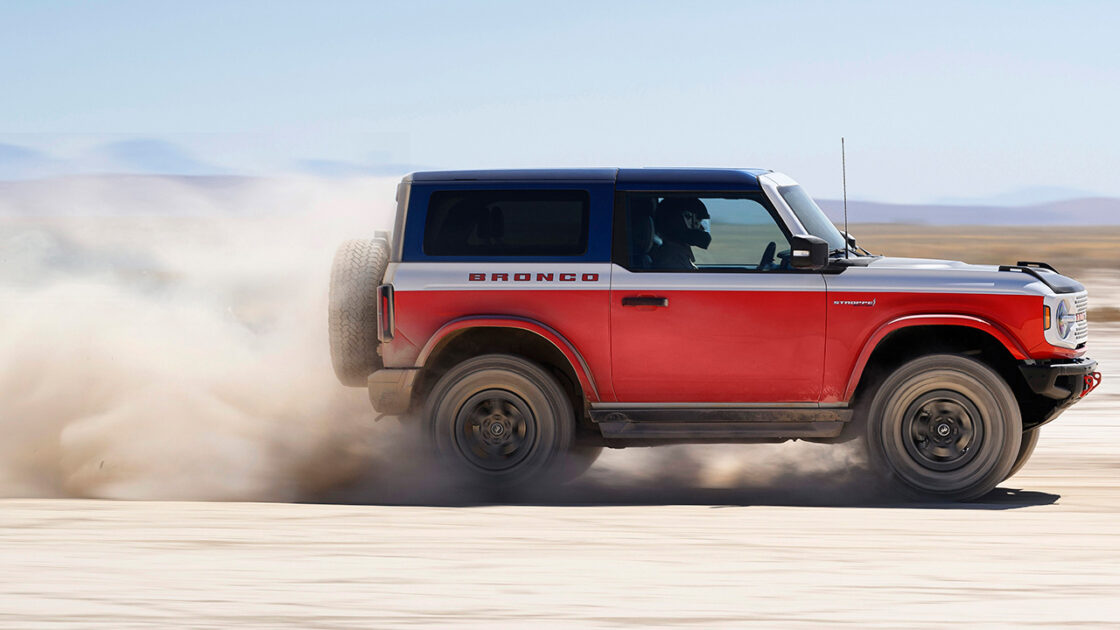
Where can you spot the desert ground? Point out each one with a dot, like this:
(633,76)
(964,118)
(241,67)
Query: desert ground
(612,550)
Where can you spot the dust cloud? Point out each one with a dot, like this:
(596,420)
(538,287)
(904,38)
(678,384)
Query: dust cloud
(165,338)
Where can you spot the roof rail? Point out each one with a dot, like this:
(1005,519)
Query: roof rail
(1031,263)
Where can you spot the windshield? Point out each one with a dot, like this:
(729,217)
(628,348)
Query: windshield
(811,216)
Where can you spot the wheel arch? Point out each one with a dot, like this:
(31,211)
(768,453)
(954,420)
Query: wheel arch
(908,337)
(465,337)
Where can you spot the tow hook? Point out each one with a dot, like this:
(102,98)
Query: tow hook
(1092,381)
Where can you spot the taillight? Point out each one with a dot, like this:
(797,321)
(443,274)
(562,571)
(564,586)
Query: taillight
(386,321)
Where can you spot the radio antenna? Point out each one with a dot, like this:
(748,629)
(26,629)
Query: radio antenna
(844,179)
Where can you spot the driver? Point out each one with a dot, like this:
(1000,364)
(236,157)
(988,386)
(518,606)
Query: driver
(681,222)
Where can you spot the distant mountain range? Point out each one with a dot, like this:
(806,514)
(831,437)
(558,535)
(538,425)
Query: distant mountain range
(1085,211)
(35,182)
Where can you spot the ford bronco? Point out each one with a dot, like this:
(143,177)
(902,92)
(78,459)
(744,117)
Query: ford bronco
(525,319)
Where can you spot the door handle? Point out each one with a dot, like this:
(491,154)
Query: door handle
(645,300)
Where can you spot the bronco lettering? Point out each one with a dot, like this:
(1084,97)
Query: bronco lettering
(528,277)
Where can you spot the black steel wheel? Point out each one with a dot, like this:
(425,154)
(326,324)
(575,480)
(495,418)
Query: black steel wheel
(501,419)
(941,430)
(944,426)
(494,430)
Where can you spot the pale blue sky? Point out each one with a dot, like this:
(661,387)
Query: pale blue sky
(937,100)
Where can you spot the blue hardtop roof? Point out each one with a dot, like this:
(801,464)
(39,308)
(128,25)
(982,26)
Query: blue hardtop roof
(737,177)
(517,175)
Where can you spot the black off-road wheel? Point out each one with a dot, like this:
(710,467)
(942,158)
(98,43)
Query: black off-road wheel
(358,268)
(1026,449)
(944,427)
(501,421)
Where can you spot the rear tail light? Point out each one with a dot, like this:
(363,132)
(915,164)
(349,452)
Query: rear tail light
(386,320)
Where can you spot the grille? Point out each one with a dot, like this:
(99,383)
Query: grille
(1081,328)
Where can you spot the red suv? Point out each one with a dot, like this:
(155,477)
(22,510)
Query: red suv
(527,318)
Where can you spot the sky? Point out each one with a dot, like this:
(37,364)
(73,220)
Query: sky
(937,101)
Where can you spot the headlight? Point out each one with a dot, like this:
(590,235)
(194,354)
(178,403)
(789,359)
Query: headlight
(1063,319)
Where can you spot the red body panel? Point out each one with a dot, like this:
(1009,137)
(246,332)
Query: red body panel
(719,346)
(578,317)
(716,346)
(853,331)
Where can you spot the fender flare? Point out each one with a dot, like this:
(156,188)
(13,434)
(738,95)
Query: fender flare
(549,334)
(1006,339)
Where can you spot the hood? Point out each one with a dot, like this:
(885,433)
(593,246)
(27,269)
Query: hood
(887,262)
(928,273)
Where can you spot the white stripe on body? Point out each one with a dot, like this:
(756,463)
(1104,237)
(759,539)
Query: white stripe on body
(492,276)
(487,276)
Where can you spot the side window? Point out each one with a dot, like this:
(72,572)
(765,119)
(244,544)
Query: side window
(703,232)
(507,223)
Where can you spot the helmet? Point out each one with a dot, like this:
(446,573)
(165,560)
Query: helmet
(684,220)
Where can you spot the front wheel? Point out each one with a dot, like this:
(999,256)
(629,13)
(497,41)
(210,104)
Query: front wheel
(501,420)
(944,426)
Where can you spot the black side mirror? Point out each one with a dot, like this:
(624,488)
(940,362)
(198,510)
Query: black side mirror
(851,240)
(808,252)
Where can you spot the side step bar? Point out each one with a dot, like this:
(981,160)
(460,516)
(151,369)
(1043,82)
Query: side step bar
(720,423)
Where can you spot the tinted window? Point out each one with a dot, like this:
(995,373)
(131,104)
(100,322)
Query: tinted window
(507,223)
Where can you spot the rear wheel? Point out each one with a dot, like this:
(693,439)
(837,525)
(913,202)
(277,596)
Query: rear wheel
(1026,449)
(501,420)
(944,426)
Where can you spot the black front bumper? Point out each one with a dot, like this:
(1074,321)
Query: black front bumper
(1058,384)
(1058,379)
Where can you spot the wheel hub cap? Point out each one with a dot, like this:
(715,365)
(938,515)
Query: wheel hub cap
(942,430)
(495,430)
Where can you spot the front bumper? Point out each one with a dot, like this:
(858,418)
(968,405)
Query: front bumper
(1059,384)
(1059,379)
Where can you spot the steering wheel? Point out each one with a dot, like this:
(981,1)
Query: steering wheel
(767,257)
(784,257)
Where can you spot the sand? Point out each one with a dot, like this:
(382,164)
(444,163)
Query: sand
(1042,550)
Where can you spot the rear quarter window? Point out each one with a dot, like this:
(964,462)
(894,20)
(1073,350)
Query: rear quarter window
(496,223)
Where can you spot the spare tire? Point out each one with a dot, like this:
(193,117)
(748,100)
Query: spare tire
(358,269)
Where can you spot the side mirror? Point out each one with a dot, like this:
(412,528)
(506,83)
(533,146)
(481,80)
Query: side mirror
(808,252)
(851,240)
